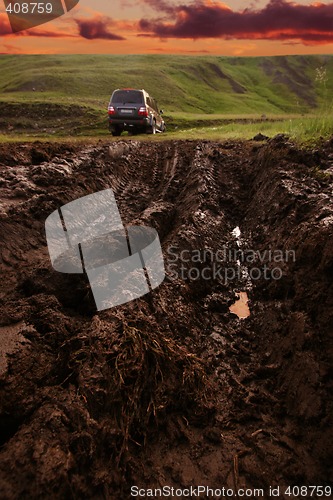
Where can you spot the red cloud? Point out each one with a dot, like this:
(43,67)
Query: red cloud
(279,20)
(97,28)
(90,29)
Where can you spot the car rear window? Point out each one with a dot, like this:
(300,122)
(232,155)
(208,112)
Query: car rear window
(127,97)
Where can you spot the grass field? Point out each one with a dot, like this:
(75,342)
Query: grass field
(208,96)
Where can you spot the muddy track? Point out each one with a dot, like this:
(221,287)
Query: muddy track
(171,388)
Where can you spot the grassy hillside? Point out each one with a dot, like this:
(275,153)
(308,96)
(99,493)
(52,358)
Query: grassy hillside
(189,84)
(193,91)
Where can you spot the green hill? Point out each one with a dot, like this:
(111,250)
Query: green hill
(206,84)
(68,94)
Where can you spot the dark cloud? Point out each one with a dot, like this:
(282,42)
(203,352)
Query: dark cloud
(161,5)
(96,28)
(279,20)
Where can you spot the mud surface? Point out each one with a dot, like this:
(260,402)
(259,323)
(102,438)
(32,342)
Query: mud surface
(172,388)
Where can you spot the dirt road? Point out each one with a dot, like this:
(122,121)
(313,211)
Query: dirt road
(172,388)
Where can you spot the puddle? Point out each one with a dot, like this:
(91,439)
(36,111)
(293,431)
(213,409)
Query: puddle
(10,339)
(240,307)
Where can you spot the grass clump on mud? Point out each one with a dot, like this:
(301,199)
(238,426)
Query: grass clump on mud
(131,372)
(93,392)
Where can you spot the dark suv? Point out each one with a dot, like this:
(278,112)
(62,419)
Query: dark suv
(134,110)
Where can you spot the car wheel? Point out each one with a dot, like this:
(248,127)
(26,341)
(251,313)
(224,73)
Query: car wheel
(152,128)
(116,132)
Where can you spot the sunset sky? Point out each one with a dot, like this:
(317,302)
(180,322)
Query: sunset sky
(236,28)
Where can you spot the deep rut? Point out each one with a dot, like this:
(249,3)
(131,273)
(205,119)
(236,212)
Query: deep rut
(206,398)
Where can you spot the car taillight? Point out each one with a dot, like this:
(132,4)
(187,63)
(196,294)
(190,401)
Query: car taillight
(111,110)
(143,111)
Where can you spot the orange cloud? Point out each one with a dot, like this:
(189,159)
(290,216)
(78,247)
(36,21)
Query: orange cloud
(6,30)
(97,27)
